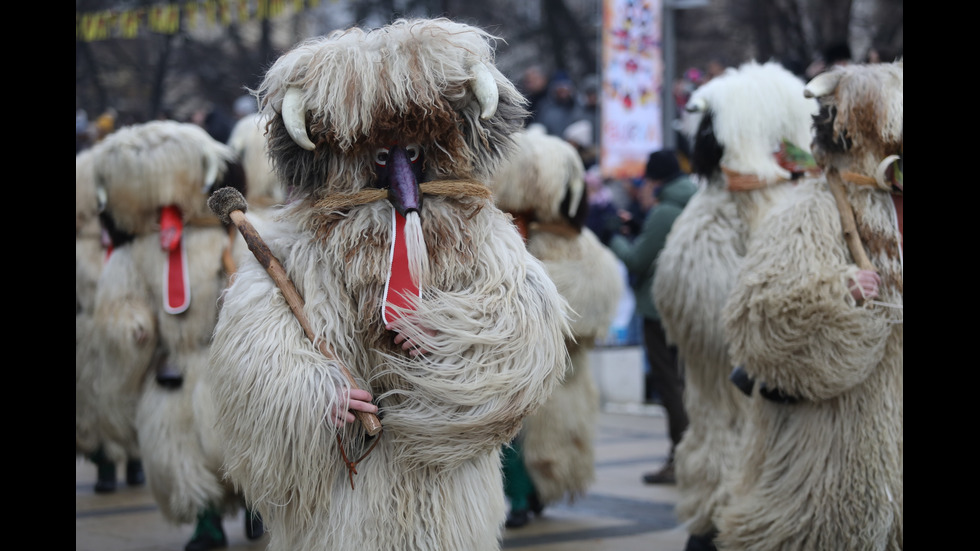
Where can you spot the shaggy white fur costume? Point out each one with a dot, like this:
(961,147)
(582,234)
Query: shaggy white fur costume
(737,121)
(143,168)
(89,257)
(248,140)
(543,185)
(431,480)
(825,472)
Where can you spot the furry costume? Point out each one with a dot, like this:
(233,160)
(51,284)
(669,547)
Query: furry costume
(89,257)
(736,121)
(543,186)
(420,96)
(822,467)
(144,168)
(248,140)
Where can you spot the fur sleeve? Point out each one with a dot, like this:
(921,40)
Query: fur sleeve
(124,335)
(124,321)
(587,274)
(791,321)
(696,270)
(272,388)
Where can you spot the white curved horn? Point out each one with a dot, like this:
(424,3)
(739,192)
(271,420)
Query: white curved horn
(102,197)
(696,105)
(294,116)
(883,182)
(485,88)
(211,170)
(576,189)
(822,85)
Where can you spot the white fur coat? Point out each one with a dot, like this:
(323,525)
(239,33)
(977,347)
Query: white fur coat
(433,479)
(543,183)
(826,470)
(143,168)
(740,119)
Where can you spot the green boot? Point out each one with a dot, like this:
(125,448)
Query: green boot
(208,534)
(518,485)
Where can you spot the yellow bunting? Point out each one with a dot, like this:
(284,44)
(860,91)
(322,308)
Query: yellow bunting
(165,17)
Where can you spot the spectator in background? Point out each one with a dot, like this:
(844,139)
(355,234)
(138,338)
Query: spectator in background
(837,53)
(534,85)
(216,121)
(561,107)
(684,86)
(665,191)
(878,54)
(603,216)
(83,138)
(714,68)
(581,135)
(592,106)
(244,106)
(105,124)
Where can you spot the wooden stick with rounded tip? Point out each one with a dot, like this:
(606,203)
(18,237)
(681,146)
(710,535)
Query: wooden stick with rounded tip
(229,205)
(848,224)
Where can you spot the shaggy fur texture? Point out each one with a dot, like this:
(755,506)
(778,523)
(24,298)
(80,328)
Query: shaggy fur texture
(89,256)
(825,472)
(750,110)
(544,182)
(431,480)
(248,140)
(143,168)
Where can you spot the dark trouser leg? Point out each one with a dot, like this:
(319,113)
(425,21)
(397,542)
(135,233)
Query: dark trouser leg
(701,542)
(666,375)
(134,472)
(106,475)
(254,527)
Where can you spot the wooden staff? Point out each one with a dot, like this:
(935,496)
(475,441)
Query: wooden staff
(848,224)
(847,221)
(229,204)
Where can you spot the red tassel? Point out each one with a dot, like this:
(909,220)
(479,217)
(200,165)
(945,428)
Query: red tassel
(176,280)
(399,288)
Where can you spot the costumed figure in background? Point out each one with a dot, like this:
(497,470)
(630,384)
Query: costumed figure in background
(155,310)
(750,129)
(249,141)
(815,325)
(423,302)
(542,185)
(91,250)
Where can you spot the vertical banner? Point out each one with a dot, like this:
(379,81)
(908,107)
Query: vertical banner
(632,82)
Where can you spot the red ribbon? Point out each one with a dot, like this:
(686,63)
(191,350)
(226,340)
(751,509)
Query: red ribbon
(399,288)
(176,280)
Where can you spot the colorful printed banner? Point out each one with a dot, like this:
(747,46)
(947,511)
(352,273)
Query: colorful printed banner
(632,80)
(165,18)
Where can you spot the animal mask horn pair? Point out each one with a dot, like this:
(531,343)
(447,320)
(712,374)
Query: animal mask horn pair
(294,111)
(888,174)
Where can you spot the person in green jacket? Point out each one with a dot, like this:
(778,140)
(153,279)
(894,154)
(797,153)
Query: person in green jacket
(663,194)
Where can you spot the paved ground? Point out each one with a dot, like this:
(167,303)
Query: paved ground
(619,513)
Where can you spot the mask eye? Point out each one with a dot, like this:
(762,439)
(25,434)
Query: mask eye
(381,156)
(413,151)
